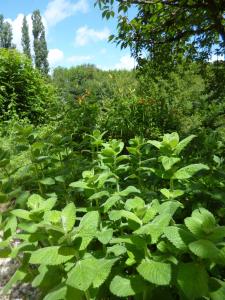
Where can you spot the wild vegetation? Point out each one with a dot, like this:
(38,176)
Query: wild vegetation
(112,183)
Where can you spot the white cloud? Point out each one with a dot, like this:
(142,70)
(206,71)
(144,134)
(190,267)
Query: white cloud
(215,57)
(85,35)
(79,58)
(126,63)
(55,56)
(103,51)
(58,10)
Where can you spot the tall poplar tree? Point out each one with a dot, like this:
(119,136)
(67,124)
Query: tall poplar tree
(6,35)
(40,45)
(25,38)
(1,29)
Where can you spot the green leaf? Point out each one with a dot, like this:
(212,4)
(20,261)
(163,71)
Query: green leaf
(60,179)
(99,195)
(117,250)
(103,178)
(126,286)
(74,294)
(34,201)
(130,216)
(201,222)
(182,144)
(80,184)
(83,274)
(155,143)
(11,224)
(192,279)
(171,194)
(108,152)
(105,236)
(152,210)
(111,201)
(155,272)
(155,228)
(52,216)
(217,234)
(169,207)
(58,293)
(54,255)
(171,139)
(135,203)
(204,249)
(179,237)
(68,217)
(88,228)
(43,271)
(129,190)
(21,213)
(102,270)
(37,204)
(47,181)
(115,215)
(217,289)
(19,275)
(207,219)
(189,171)
(168,162)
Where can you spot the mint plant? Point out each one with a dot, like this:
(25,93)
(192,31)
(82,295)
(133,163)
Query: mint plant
(124,229)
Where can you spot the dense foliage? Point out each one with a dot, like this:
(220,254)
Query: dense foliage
(24,93)
(137,223)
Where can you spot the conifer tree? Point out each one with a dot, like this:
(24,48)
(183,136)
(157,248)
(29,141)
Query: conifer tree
(25,38)
(40,45)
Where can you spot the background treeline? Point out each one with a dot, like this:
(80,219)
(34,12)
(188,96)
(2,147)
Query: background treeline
(148,102)
(188,98)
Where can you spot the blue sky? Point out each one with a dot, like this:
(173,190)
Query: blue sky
(76,32)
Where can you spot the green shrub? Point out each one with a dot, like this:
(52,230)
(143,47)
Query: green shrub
(24,93)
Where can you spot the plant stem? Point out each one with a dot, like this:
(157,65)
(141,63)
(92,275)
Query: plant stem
(171,185)
(87,295)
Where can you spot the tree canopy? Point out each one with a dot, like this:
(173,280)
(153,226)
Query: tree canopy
(190,27)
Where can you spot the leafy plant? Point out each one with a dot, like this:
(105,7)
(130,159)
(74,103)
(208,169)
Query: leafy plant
(124,229)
